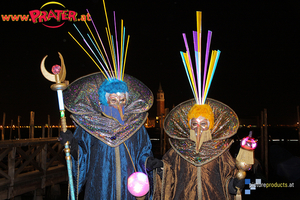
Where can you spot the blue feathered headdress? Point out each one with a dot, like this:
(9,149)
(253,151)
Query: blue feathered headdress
(111,86)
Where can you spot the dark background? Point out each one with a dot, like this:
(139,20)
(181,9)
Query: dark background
(258,66)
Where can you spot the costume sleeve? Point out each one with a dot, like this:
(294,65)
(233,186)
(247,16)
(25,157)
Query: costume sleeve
(227,171)
(145,149)
(80,167)
(164,186)
(145,152)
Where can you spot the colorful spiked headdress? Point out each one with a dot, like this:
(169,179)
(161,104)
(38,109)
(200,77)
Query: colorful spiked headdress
(112,69)
(86,97)
(223,120)
(200,80)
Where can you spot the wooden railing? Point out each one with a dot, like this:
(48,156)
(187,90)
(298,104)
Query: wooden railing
(30,164)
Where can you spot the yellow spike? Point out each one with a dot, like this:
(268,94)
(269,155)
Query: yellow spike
(111,51)
(211,66)
(88,55)
(191,76)
(106,17)
(110,40)
(106,64)
(125,56)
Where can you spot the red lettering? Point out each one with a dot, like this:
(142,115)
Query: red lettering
(58,14)
(14,17)
(24,17)
(88,17)
(64,15)
(34,14)
(5,17)
(72,16)
(83,18)
(43,16)
(51,14)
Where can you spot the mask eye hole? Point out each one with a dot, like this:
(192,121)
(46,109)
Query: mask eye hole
(113,101)
(203,124)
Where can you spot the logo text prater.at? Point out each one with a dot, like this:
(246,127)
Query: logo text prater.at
(59,16)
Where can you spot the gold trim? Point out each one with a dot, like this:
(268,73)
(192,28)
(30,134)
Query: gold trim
(77,192)
(130,157)
(118,173)
(199,185)
(163,182)
(154,182)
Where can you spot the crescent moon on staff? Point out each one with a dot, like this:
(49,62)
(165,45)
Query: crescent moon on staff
(63,71)
(51,77)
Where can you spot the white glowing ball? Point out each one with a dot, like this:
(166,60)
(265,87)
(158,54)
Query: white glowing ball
(138,184)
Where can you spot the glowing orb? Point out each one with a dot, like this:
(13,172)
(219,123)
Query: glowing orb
(243,165)
(248,143)
(56,69)
(138,184)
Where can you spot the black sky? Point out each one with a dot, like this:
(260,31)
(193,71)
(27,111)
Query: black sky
(258,66)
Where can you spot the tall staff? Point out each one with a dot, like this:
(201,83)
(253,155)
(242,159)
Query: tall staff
(58,76)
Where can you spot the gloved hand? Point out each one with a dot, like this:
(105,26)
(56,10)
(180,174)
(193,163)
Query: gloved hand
(234,183)
(73,143)
(154,163)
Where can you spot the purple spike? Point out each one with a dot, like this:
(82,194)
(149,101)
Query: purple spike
(209,35)
(117,48)
(100,40)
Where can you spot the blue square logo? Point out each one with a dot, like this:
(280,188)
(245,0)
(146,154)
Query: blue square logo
(247,181)
(247,192)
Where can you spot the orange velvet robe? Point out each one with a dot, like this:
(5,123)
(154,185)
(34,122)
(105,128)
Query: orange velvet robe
(183,180)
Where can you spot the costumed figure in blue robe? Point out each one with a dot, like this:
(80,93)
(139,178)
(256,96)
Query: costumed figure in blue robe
(109,110)
(108,140)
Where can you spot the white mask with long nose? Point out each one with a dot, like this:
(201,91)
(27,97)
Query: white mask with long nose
(199,131)
(118,101)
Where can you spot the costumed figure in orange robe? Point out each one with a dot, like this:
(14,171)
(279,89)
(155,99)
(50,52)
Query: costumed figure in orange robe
(199,164)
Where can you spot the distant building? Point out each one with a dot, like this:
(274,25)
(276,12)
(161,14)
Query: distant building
(160,101)
(161,111)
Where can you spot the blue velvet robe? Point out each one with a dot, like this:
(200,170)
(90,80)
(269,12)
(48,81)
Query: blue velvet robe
(97,164)
(101,138)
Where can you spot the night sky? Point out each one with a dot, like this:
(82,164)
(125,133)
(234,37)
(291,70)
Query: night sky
(258,66)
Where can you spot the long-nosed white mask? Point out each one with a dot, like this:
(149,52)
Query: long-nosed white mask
(199,131)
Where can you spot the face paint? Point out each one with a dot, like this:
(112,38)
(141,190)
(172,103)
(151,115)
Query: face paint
(117,100)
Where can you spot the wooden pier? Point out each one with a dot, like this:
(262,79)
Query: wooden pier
(30,165)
